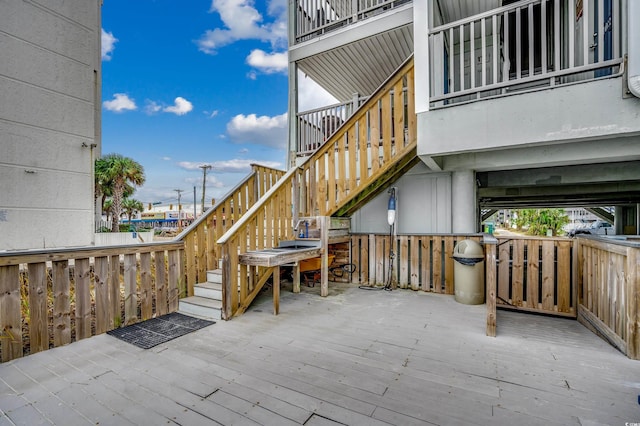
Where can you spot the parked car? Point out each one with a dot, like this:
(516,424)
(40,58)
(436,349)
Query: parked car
(599,227)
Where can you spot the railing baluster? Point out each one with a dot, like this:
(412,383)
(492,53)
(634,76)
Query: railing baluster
(483,42)
(507,36)
(452,74)
(587,34)
(531,40)
(543,36)
(494,63)
(518,45)
(601,31)
(571,18)
(472,55)
(461,51)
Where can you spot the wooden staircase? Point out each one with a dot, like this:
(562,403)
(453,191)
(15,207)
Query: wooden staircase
(207,299)
(373,147)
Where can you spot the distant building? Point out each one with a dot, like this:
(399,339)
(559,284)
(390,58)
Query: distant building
(50,77)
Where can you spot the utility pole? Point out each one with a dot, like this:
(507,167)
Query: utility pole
(204,168)
(179,191)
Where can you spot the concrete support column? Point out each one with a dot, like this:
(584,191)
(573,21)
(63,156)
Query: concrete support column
(463,202)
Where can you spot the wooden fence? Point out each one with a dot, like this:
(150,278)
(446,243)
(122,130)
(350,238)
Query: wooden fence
(609,290)
(49,298)
(536,275)
(420,262)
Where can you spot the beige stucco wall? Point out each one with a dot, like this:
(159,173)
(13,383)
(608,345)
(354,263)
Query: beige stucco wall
(49,121)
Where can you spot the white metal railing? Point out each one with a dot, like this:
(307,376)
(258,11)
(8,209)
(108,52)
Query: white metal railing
(317,17)
(317,125)
(524,46)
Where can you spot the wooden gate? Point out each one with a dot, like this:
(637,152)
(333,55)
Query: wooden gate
(536,275)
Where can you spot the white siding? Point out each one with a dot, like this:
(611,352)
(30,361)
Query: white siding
(424,205)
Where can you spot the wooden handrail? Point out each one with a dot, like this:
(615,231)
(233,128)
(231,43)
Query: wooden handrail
(202,253)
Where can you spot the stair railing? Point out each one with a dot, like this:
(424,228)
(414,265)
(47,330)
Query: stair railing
(367,147)
(200,248)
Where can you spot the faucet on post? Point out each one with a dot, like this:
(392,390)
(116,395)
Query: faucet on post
(295,228)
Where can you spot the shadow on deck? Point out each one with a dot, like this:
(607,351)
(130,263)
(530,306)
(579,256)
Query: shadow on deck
(355,357)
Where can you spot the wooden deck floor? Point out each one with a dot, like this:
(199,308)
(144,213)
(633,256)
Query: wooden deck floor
(356,357)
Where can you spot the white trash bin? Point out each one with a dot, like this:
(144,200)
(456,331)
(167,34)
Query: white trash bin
(468,272)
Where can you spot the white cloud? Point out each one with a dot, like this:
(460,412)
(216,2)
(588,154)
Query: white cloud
(311,95)
(151,107)
(166,158)
(243,151)
(181,106)
(252,75)
(263,130)
(121,102)
(108,42)
(212,182)
(242,21)
(229,166)
(211,114)
(268,62)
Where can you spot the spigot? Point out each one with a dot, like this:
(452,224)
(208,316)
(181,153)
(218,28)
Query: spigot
(295,228)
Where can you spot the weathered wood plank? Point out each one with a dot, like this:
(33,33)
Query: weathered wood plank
(517,273)
(403,261)
(548,277)
(10,316)
(211,248)
(415,263)
(175,278)
(322,185)
(533,268)
(437,265)
(363,157)
(190,258)
(564,276)
(62,303)
(130,289)
(425,243)
(632,295)
(162,297)
(38,313)
(115,315)
(276,290)
(448,264)
(146,295)
(387,127)
(83,298)
(101,283)
(381,259)
(353,157)
(490,259)
(504,259)
(341,178)
(201,258)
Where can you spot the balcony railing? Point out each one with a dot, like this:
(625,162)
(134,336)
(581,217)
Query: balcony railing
(317,125)
(317,17)
(528,45)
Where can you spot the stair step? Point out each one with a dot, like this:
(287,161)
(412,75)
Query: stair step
(201,307)
(210,290)
(215,276)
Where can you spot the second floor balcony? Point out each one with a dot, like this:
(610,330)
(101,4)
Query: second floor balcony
(522,46)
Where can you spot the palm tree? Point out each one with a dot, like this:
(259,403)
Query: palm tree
(131,207)
(116,176)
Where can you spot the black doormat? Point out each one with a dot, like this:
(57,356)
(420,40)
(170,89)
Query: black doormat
(153,332)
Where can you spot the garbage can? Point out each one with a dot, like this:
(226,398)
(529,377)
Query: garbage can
(468,272)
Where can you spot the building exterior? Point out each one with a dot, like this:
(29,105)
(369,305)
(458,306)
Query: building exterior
(49,121)
(518,103)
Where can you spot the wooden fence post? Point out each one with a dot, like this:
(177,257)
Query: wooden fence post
(490,244)
(633,303)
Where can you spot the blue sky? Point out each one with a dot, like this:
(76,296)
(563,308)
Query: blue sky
(186,83)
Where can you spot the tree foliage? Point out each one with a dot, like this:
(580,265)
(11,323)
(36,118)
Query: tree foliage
(541,221)
(116,177)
